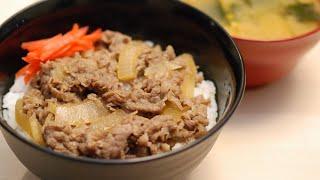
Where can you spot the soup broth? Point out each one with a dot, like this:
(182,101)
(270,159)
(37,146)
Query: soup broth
(263,19)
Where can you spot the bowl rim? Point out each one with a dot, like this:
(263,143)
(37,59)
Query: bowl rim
(236,101)
(295,38)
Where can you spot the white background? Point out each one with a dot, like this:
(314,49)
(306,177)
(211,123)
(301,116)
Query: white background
(274,135)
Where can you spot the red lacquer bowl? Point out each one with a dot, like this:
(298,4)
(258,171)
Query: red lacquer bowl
(267,61)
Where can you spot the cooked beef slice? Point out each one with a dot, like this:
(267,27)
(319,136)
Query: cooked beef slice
(92,76)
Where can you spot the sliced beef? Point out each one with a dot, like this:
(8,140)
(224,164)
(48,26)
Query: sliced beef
(92,76)
(146,136)
(115,40)
(195,118)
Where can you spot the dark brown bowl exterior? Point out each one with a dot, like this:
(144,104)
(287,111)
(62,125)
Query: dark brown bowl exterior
(162,21)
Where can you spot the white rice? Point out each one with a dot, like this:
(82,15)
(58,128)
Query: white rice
(9,102)
(149,43)
(206,88)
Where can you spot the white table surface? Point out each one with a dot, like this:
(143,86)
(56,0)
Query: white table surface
(274,135)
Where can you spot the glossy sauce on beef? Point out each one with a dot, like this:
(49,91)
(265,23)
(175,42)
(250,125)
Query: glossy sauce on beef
(85,109)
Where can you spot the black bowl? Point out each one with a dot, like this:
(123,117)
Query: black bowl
(162,21)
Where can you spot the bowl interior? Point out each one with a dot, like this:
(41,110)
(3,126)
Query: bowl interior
(161,21)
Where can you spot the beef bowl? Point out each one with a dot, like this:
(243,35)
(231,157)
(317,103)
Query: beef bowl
(116,105)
